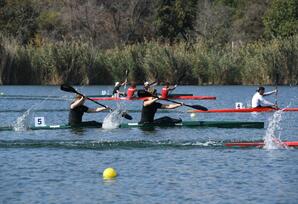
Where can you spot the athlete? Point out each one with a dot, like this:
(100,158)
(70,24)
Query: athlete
(259,101)
(116,91)
(150,106)
(77,110)
(166,89)
(131,90)
(149,87)
(146,86)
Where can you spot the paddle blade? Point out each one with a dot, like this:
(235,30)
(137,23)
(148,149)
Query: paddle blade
(67,88)
(126,73)
(126,116)
(142,93)
(198,107)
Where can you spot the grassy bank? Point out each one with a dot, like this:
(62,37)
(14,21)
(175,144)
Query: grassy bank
(76,62)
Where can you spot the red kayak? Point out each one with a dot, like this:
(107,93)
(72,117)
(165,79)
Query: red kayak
(109,95)
(143,98)
(244,110)
(258,144)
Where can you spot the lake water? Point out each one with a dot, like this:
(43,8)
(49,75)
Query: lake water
(165,165)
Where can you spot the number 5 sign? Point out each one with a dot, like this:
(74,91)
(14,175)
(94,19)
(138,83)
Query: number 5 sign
(39,122)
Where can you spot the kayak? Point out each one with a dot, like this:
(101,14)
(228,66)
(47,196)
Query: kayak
(258,144)
(110,95)
(24,97)
(59,97)
(190,124)
(143,98)
(107,97)
(218,124)
(243,110)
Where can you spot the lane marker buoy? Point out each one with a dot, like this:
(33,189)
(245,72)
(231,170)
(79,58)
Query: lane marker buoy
(109,173)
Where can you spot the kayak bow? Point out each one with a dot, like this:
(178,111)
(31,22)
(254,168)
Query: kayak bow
(243,110)
(258,144)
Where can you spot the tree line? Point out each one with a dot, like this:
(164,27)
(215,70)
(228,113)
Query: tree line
(190,41)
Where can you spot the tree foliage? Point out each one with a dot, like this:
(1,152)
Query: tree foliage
(281,18)
(175,18)
(18,18)
(212,41)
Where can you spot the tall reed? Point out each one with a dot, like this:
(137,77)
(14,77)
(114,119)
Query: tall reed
(78,62)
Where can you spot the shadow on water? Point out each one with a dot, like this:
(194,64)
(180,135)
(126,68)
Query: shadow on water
(117,144)
(79,131)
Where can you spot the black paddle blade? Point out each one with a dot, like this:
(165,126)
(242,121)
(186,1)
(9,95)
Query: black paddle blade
(126,116)
(198,107)
(142,93)
(67,88)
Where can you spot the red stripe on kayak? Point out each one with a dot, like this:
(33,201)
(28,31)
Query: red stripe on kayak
(143,98)
(109,95)
(243,110)
(258,144)
(193,97)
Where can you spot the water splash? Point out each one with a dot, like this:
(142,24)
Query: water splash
(113,119)
(21,123)
(270,139)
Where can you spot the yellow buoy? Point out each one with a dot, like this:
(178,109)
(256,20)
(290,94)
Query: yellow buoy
(109,173)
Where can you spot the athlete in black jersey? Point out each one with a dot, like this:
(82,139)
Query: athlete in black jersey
(116,90)
(77,110)
(150,107)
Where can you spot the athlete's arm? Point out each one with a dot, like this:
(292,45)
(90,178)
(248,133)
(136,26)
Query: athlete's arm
(173,88)
(77,103)
(124,83)
(150,101)
(265,102)
(170,106)
(95,110)
(269,93)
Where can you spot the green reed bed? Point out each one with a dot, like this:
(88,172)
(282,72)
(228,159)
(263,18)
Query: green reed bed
(78,62)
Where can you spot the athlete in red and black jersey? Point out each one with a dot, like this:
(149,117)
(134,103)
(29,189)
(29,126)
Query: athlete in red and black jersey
(166,89)
(131,90)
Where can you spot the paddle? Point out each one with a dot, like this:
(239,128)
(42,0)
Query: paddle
(153,83)
(125,82)
(126,77)
(143,93)
(68,88)
(197,107)
(276,82)
(178,81)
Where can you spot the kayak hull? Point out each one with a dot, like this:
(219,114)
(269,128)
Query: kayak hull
(109,95)
(259,144)
(189,124)
(243,110)
(144,98)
